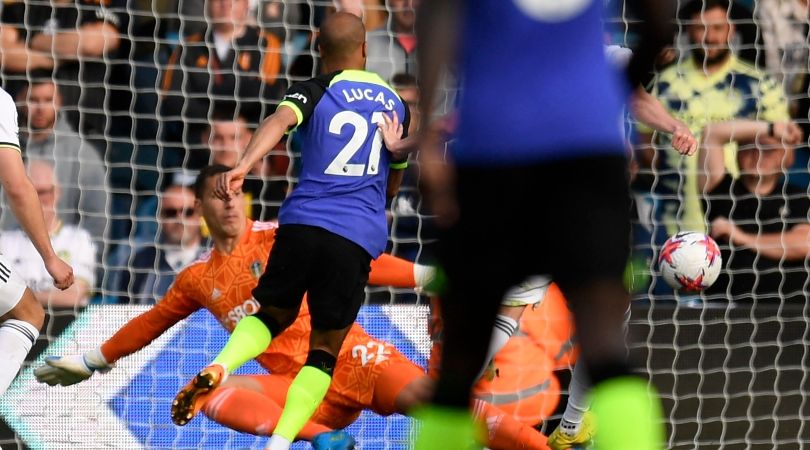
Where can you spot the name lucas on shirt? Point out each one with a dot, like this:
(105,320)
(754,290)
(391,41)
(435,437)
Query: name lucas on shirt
(353,94)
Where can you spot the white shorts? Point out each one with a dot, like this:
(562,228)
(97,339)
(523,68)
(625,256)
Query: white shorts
(12,287)
(529,292)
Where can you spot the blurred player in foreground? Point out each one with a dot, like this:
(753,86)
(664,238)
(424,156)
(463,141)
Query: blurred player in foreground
(370,374)
(531,130)
(576,426)
(21,315)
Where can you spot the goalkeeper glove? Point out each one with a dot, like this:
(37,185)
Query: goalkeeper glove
(69,370)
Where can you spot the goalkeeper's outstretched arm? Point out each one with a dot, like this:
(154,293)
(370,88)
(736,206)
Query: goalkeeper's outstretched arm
(133,336)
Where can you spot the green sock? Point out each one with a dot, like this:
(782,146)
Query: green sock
(304,395)
(628,415)
(446,429)
(249,339)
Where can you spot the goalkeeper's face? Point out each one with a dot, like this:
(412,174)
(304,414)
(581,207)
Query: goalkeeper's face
(225,218)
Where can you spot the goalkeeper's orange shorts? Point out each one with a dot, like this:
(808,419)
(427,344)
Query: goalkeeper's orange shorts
(369,374)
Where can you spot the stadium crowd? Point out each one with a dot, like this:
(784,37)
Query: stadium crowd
(126,98)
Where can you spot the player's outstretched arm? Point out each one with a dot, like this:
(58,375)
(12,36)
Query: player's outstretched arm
(26,208)
(263,141)
(133,336)
(649,111)
(72,369)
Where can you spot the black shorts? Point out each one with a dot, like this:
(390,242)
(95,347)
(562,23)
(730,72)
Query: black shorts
(567,218)
(331,269)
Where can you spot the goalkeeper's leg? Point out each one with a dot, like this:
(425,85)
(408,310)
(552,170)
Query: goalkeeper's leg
(309,387)
(20,322)
(253,404)
(249,339)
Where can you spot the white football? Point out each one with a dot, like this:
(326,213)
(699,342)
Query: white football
(690,261)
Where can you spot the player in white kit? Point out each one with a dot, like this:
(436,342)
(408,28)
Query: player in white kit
(21,315)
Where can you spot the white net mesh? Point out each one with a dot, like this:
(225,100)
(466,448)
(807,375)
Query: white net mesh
(147,94)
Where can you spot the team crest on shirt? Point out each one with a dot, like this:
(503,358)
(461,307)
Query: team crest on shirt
(256,268)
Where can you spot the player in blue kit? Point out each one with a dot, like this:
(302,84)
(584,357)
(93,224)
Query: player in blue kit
(537,125)
(332,224)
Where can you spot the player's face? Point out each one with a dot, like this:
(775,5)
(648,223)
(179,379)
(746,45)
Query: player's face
(179,219)
(227,141)
(41,106)
(410,95)
(710,33)
(44,181)
(768,158)
(403,14)
(228,11)
(225,218)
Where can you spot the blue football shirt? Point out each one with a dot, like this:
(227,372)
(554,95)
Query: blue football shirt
(344,163)
(535,83)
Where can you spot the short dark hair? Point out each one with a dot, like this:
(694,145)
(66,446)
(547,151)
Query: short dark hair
(206,173)
(403,80)
(37,77)
(41,76)
(696,6)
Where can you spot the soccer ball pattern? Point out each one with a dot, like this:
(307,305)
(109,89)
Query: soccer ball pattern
(690,261)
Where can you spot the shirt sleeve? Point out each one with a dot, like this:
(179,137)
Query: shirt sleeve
(9,130)
(139,332)
(302,98)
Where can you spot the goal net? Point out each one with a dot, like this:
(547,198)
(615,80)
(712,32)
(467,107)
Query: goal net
(126,100)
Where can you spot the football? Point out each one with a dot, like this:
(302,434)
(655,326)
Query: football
(690,261)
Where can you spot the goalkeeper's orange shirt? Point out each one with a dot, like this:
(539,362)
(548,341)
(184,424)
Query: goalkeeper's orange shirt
(223,283)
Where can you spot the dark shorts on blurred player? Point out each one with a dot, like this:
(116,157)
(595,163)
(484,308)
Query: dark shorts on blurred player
(568,218)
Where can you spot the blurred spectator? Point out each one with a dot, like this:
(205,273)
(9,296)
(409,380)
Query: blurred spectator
(392,49)
(16,59)
(79,35)
(265,187)
(785,25)
(80,172)
(411,228)
(712,85)
(760,222)
(371,11)
(231,61)
(152,268)
(71,242)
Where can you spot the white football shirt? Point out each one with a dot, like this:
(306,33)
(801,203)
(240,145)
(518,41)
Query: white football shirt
(70,243)
(9,129)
